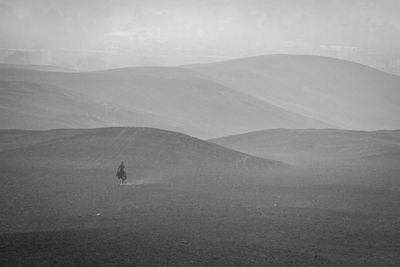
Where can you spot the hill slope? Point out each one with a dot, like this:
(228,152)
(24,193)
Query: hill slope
(37,67)
(338,92)
(332,156)
(36,106)
(313,143)
(179,96)
(146,152)
(72,171)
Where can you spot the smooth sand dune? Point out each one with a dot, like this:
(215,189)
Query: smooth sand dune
(185,100)
(342,93)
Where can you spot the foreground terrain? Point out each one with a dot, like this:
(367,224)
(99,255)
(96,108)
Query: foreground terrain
(191,202)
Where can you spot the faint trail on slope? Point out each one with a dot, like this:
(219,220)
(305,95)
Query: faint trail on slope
(121,148)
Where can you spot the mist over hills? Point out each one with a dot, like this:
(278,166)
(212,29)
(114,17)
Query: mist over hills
(260,198)
(288,158)
(183,99)
(218,99)
(342,93)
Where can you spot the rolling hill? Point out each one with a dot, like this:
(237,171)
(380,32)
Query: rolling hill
(38,106)
(317,144)
(180,97)
(232,97)
(147,152)
(72,171)
(37,67)
(188,201)
(345,94)
(327,155)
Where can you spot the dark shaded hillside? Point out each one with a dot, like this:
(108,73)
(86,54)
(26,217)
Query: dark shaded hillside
(71,171)
(183,99)
(188,202)
(342,93)
(149,153)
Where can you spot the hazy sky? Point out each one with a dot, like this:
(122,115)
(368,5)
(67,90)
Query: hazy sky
(233,27)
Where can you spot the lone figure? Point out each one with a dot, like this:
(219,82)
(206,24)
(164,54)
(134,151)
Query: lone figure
(121,174)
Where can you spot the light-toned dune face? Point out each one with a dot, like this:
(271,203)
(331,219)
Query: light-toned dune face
(344,94)
(315,144)
(37,106)
(183,99)
(327,156)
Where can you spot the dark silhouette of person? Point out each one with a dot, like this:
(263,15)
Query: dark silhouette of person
(121,167)
(121,174)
